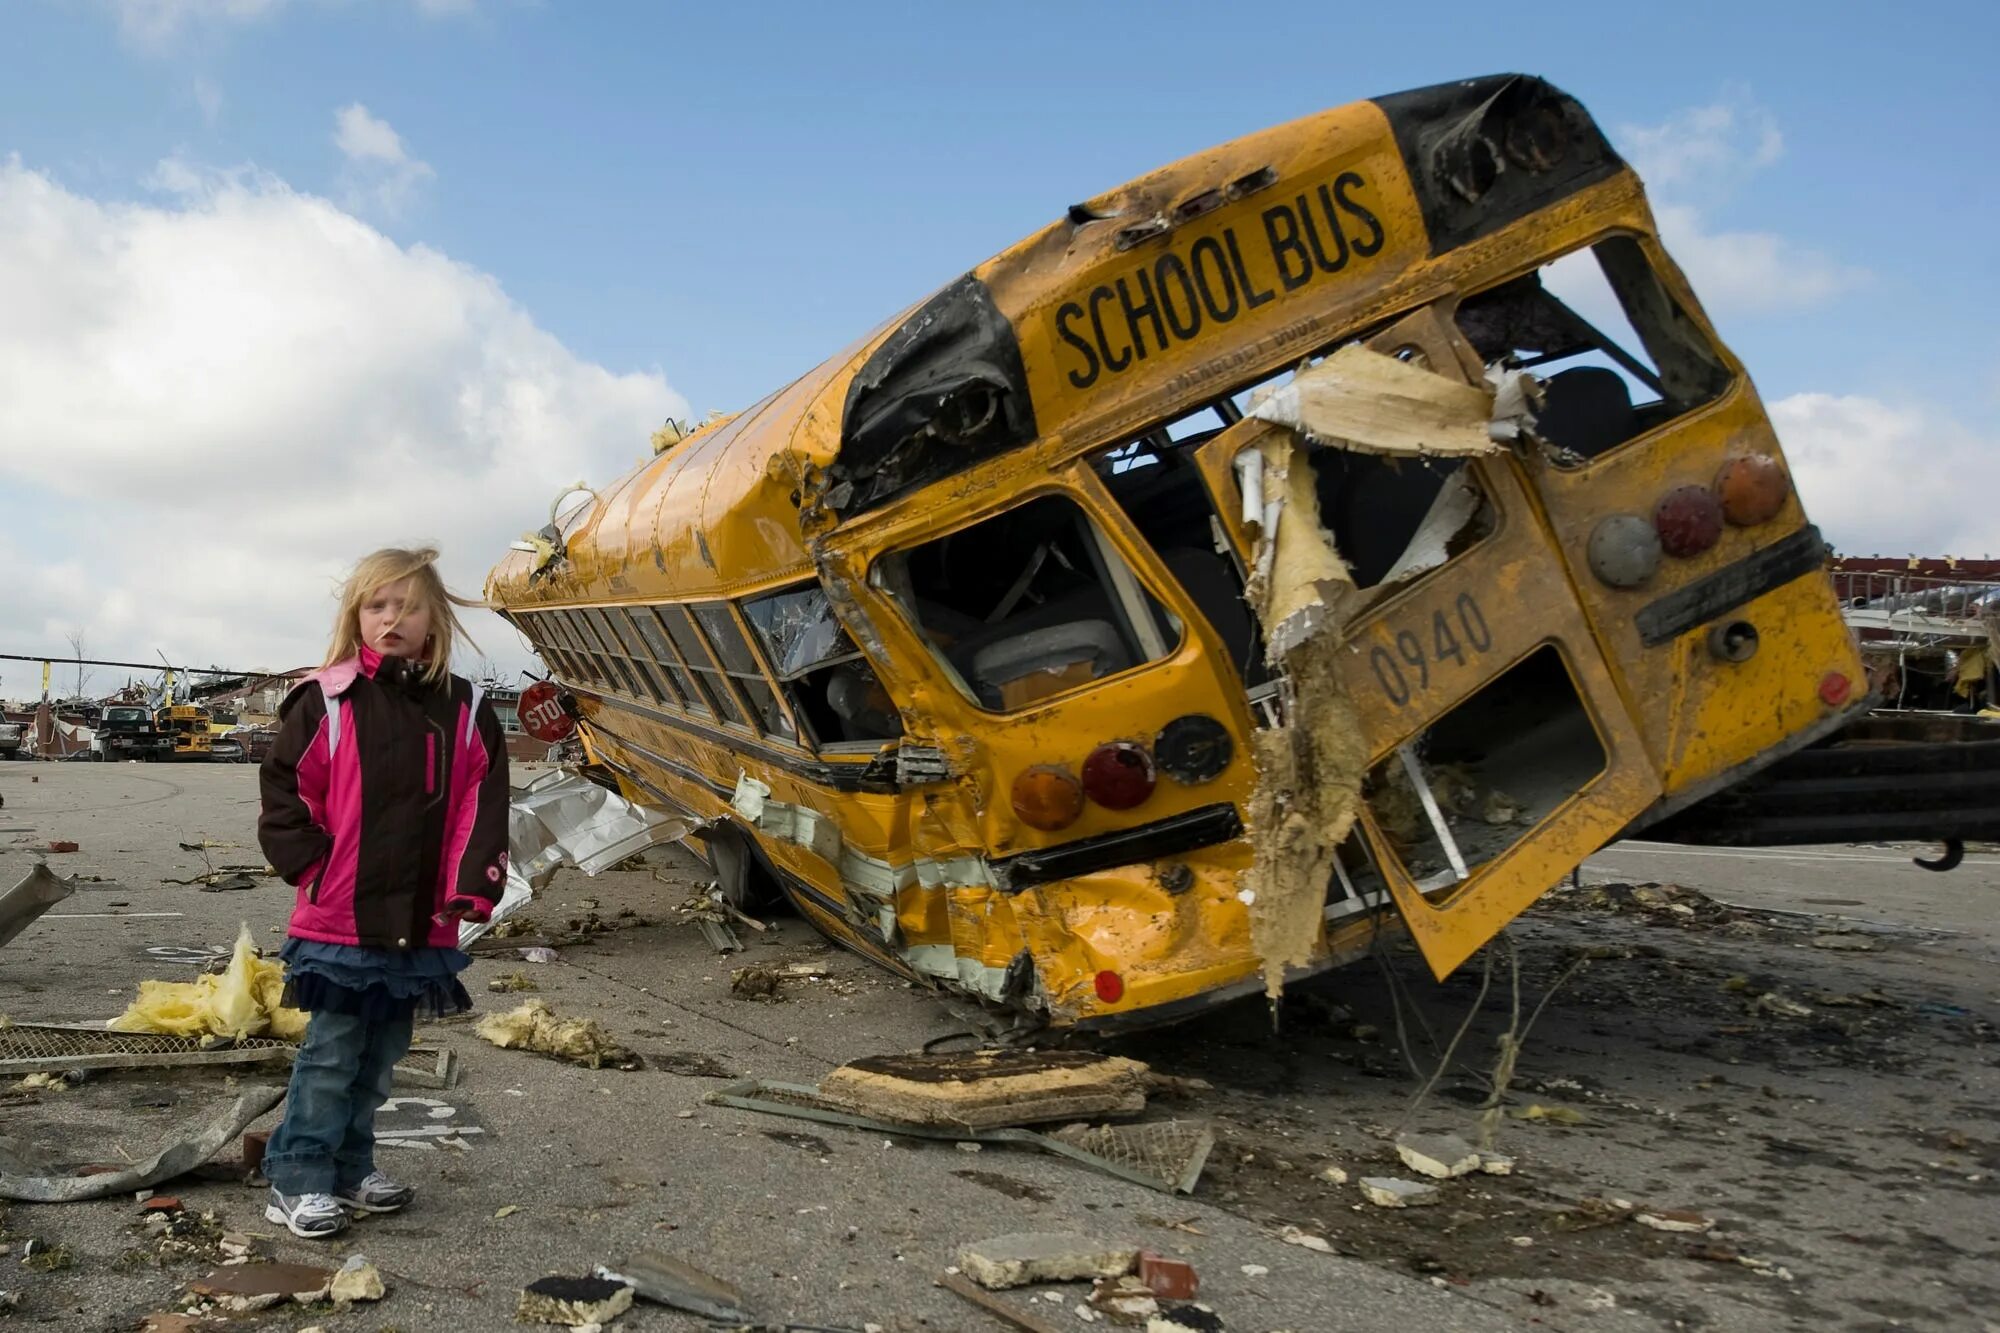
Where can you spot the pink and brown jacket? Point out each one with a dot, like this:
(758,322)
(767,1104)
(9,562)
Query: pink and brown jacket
(385,801)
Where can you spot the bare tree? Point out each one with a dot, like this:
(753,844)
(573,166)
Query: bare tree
(83,677)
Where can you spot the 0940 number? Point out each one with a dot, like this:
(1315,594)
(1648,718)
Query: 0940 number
(1450,637)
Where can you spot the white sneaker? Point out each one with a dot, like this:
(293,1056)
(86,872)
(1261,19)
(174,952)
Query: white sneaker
(314,1216)
(376,1194)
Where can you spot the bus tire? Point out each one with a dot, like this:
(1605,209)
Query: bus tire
(747,882)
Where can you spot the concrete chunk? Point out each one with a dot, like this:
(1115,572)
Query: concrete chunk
(1043,1256)
(1439,1156)
(1389,1192)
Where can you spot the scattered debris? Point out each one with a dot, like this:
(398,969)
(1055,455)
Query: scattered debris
(1673,1219)
(1496,1164)
(573,1301)
(61,845)
(987,1089)
(22,1180)
(1844,941)
(43,1257)
(33,894)
(245,1000)
(535,1027)
(1168,1279)
(244,1287)
(1185,1319)
(1026,1320)
(508,982)
(1123,1300)
(356,1280)
(1388,1192)
(1591,1213)
(563,818)
(1043,1256)
(1773,1003)
(759,981)
(668,1281)
(1305,1240)
(1334,1175)
(538,953)
(1439,1156)
(1550,1115)
(1165,1155)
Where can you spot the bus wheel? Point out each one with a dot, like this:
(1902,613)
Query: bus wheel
(746,883)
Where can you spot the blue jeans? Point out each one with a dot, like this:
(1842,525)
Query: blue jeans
(340,1079)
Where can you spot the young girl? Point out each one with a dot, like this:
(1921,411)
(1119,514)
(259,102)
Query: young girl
(385,804)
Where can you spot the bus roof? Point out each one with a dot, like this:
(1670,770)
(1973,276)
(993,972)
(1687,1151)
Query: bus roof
(1184,268)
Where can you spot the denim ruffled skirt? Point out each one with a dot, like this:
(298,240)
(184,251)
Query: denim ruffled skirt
(376,985)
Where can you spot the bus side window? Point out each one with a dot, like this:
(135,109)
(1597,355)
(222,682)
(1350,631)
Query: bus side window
(832,687)
(1029,604)
(1616,355)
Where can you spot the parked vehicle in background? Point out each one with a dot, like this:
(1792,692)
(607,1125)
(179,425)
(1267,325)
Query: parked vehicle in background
(186,729)
(253,743)
(11,736)
(126,731)
(226,749)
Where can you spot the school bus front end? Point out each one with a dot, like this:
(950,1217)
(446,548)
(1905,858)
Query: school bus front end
(1348,529)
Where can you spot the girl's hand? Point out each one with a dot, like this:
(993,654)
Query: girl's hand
(464,909)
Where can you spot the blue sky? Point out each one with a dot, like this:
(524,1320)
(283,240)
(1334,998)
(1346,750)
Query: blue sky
(610,211)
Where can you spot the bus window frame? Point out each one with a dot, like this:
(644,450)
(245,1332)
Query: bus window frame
(1079,484)
(669,667)
(701,673)
(625,620)
(785,682)
(541,638)
(1677,290)
(761,673)
(598,620)
(596,672)
(694,699)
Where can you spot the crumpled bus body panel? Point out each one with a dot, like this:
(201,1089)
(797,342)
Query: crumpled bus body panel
(1022,602)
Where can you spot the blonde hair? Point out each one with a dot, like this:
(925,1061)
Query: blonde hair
(427,592)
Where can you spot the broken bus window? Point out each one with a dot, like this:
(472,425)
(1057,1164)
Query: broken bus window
(1028,604)
(831,685)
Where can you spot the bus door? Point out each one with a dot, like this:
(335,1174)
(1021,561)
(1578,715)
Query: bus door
(1499,752)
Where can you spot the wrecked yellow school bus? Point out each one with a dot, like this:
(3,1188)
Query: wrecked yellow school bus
(1351,527)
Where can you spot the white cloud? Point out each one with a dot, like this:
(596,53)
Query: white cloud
(221,400)
(380,171)
(1697,161)
(1889,479)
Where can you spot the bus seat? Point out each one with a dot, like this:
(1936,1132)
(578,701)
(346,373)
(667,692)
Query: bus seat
(1023,667)
(1588,410)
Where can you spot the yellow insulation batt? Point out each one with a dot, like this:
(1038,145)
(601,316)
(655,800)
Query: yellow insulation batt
(244,1000)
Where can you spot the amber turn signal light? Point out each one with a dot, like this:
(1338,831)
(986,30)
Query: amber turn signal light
(1047,798)
(1753,489)
(1118,775)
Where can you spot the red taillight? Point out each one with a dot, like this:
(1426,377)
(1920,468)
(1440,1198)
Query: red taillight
(1753,489)
(1047,798)
(1118,775)
(1689,521)
(1110,987)
(1834,687)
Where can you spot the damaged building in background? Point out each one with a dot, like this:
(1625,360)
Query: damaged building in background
(1347,529)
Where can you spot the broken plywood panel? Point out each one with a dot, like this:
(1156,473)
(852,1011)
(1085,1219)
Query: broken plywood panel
(987,1089)
(1374,404)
